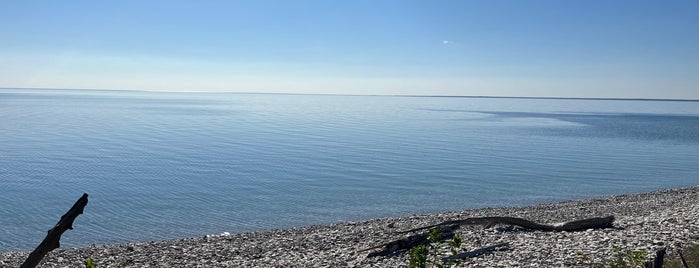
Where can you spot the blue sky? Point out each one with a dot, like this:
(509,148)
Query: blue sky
(627,49)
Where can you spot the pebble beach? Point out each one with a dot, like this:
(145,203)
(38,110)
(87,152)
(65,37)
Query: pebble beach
(646,221)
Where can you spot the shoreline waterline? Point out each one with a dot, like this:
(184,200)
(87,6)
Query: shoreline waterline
(644,221)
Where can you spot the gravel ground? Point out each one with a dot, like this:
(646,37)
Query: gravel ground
(646,221)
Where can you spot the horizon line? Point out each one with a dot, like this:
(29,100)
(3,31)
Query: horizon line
(369,95)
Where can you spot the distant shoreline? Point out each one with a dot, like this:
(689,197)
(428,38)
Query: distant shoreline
(644,221)
(549,98)
(368,95)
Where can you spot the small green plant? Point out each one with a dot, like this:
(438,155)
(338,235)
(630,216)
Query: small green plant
(581,257)
(455,244)
(419,254)
(90,264)
(628,258)
(435,236)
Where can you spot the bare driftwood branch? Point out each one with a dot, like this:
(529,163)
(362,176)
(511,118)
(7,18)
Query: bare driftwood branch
(52,240)
(409,242)
(684,262)
(476,253)
(579,225)
(657,262)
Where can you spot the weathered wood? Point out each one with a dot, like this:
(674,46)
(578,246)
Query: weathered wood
(476,253)
(52,240)
(657,262)
(410,242)
(579,225)
(684,262)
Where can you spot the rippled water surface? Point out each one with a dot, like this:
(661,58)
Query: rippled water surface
(168,165)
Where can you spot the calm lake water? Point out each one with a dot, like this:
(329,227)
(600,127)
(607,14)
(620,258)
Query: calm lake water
(170,165)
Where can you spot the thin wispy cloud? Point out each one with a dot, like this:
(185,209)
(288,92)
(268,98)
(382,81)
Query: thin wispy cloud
(449,42)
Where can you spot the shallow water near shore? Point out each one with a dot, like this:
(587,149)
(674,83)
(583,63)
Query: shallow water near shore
(167,165)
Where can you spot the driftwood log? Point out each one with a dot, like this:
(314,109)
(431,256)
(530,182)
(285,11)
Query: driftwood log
(657,262)
(448,227)
(52,240)
(579,225)
(684,262)
(409,242)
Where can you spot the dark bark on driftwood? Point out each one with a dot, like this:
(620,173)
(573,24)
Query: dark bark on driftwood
(579,225)
(409,242)
(52,240)
(657,262)
(476,253)
(684,262)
